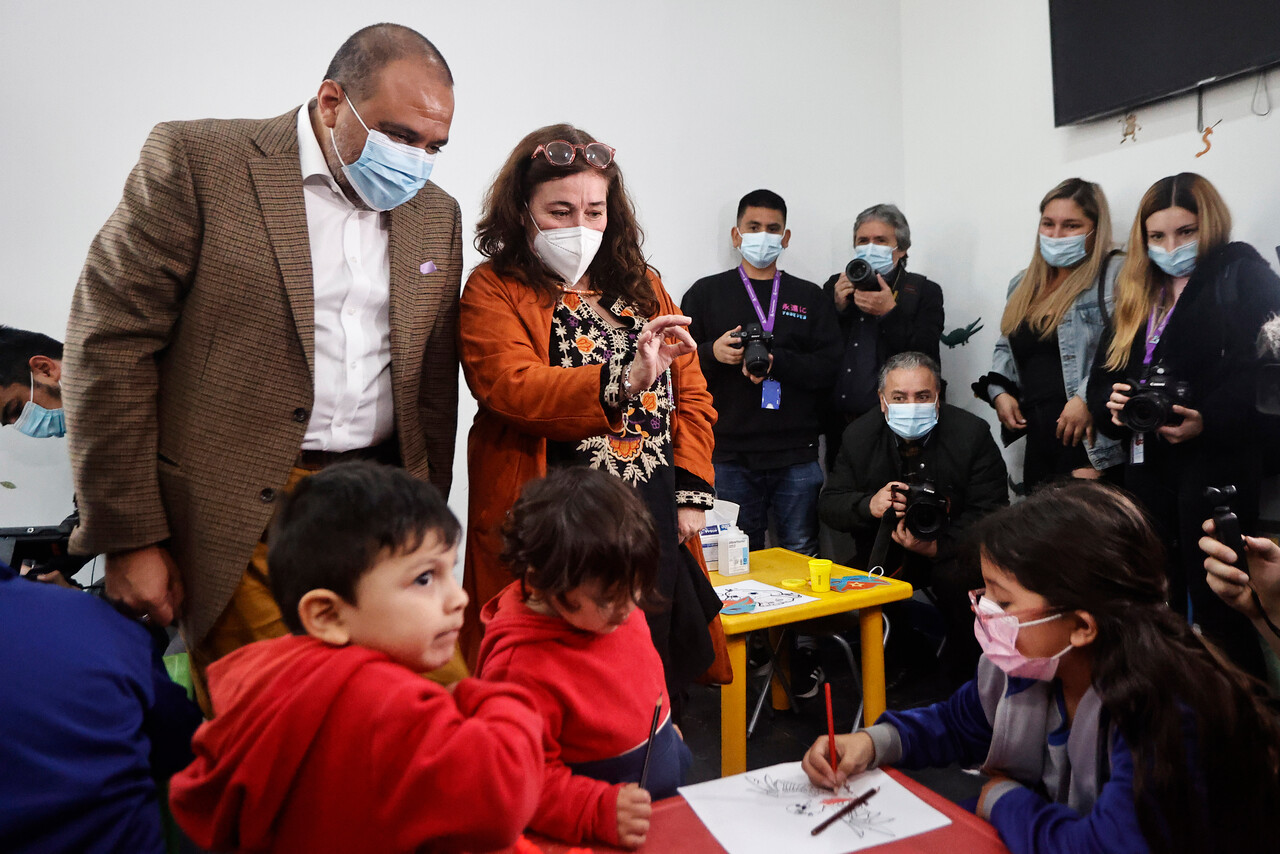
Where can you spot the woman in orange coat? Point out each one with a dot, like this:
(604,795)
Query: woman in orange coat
(578,356)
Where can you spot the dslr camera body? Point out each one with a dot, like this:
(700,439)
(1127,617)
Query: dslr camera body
(1152,398)
(928,510)
(860,273)
(756,344)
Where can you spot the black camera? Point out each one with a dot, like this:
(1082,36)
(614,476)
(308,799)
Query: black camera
(928,510)
(1226,525)
(1152,398)
(756,344)
(860,273)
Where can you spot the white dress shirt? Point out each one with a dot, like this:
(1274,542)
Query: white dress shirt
(351,278)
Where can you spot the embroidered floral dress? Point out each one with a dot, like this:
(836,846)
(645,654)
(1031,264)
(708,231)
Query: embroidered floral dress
(640,454)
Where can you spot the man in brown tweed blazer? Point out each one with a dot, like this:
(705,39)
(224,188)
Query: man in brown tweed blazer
(241,322)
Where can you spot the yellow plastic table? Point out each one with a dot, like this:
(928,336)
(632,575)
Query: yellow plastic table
(770,566)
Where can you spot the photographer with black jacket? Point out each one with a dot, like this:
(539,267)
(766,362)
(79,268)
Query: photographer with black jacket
(914,439)
(886,312)
(1189,305)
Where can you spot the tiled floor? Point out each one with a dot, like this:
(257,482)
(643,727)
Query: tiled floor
(914,680)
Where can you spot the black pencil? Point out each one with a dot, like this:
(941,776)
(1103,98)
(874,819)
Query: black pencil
(648,751)
(844,811)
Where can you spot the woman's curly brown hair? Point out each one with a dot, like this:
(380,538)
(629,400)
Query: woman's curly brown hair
(619,268)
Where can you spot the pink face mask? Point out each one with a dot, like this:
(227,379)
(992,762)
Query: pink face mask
(997,634)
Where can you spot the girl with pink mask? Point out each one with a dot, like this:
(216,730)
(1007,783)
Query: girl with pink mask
(1102,720)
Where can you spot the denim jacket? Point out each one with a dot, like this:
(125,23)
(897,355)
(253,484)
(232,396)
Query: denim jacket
(1078,336)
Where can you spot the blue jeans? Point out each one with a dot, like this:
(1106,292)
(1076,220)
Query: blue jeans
(788,494)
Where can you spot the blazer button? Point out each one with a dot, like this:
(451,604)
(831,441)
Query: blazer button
(267,495)
(300,415)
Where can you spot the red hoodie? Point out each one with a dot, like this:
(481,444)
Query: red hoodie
(319,748)
(596,693)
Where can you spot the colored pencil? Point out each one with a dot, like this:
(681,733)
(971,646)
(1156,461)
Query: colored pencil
(831,728)
(648,751)
(844,811)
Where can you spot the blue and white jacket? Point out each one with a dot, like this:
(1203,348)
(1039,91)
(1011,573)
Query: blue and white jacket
(1071,786)
(1078,336)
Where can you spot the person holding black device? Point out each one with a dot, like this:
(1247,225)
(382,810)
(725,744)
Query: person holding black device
(1175,379)
(883,310)
(911,478)
(769,345)
(1056,311)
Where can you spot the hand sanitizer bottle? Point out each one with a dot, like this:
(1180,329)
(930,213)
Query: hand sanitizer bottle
(734,556)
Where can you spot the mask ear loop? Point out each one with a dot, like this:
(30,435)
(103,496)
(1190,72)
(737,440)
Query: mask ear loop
(354,110)
(533,219)
(333,140)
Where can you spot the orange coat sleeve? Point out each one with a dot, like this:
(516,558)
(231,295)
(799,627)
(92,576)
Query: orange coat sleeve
(503,340)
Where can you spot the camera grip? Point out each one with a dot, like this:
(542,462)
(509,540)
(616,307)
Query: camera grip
(1226,529)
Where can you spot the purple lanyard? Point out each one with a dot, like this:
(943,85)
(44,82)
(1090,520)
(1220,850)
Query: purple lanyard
(765,324)
(1154,332)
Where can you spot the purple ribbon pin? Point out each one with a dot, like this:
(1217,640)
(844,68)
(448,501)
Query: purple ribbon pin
(427,267)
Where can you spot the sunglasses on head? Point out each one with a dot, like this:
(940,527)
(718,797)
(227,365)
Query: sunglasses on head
(560,152)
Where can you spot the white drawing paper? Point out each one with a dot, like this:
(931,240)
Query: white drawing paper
(756,597)
(774,809)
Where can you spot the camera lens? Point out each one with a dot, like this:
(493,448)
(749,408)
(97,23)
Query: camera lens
(859,272)
(756,359)
(1145,412)
(926,519)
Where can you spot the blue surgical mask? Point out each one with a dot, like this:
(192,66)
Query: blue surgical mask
(760,248)
(879,257)
(388,173)
(1178,263)
(911,420)
(1063,251)
(38,422)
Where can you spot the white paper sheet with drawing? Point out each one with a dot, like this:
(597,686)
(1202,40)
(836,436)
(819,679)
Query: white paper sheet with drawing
(755,597)
(773,809)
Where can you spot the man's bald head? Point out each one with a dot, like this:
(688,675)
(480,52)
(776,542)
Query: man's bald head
(359,62)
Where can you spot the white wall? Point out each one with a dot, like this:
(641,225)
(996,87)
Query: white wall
(981,150)
(704,101)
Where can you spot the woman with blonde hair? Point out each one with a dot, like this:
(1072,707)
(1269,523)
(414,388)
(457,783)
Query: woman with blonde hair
(1056,311)
(577,356)
(1175,380)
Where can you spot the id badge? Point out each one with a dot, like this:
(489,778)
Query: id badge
(770,394)
(1137,448)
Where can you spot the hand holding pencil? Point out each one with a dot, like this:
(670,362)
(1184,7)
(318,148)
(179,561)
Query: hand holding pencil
(854,754)
(635,806)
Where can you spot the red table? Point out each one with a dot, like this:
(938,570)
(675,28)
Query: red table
(675,829)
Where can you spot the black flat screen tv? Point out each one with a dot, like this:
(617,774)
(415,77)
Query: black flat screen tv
(1112,55)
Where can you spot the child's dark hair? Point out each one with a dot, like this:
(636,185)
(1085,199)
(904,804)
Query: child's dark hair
(1086,546)
(336,524)
(579,525)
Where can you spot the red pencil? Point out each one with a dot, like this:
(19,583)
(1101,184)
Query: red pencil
(831,727)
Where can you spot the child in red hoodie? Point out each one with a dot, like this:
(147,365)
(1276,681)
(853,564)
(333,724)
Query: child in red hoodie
(329,739)
(584,550)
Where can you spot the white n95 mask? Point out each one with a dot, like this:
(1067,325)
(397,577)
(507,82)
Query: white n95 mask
(568,252)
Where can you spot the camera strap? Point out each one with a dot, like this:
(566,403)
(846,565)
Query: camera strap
(880,549)
(766,323)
